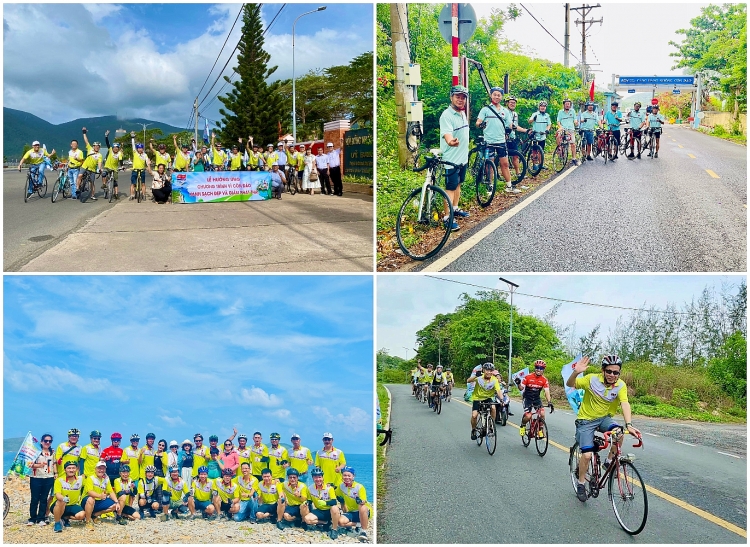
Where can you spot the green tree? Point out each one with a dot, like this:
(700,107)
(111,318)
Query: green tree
(253,107)
(729,368)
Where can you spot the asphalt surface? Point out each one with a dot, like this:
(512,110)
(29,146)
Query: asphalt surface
(443,488)
(31,228)
(651,215)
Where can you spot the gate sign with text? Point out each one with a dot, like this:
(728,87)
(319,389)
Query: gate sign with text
(215,186)
(358,153)
(657,80)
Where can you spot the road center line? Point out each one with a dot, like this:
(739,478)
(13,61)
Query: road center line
(680,146)
(714,175)
(663,495)
(450,257)
(650,434)
(683,442)
(730,455)
(691,156)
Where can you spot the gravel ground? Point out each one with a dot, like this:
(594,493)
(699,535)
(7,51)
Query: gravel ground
(149,530)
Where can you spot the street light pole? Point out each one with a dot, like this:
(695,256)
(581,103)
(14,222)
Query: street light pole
(406,353)
(145,125)
(294,86)
(511,286)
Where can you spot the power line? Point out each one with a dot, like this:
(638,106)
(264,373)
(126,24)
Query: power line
(610,306)
(242,7)
(548,32)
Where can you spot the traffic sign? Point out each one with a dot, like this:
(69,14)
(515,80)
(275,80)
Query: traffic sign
(654,101)
(631,90)
(675,91)
(467,23)
(657,80)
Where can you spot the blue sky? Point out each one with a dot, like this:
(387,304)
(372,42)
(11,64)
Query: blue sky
(150,60)
(406,303)
(178,355)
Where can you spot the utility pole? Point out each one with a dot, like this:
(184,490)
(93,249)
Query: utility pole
(585,10)
(567,36)
(400,41)
(195,106)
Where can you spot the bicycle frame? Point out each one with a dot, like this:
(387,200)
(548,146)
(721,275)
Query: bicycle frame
(617,432)
(428,178)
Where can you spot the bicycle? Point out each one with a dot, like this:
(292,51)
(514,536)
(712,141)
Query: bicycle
(630,141)
(651,140)
(88,185)
(140,187)
(448,393)
(624,497)
(580,152)
(421,230)
(420,392)
(32,182)
(6,504)
(533,151)
(62,184)
(561,153)
(537,428)
(484,172)
(501,408)
(109,185)
(437,398)
(291,182)
(485,428)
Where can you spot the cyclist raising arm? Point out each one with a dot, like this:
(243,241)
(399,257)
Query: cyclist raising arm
(111,166)
(92,163)
(487,386)
(140,163)
(603,394)
(181,155)
(531,387)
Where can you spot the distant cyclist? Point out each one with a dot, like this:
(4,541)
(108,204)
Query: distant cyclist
(603,394)
(428,374)
(113,162)
(655,123)
(454,147)
(613,119)
(637,119)
(439,383)
(36,157)
(589,122)
(566,124)
(449,379)
(531,387)
(486,387)
(540,125)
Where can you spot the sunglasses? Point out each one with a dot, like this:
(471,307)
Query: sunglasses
(613,372)
(46,440)
(327,439)
(538,368)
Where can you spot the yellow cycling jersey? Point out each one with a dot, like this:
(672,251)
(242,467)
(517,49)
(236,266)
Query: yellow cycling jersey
(270,493)
(321,499)
(96,485)
(247,487)
(298,459)
(259,452)
(245,456)
(139,160)
(177,489)
(271,158)
(70,489)
(113,160)
(73,453)
(448,376)
(93,159)
(148,459)
(162,159)
(235,161)
(200,457)
(218,157)
(130,456)
(227,492)
(75,158)
(90,457)
(328,462)
(351,494)
(181,161)
(485,389)
(201,491)
(148,487)
(276,455)
(599,400)
(34,158)
(295,496)
(125,488)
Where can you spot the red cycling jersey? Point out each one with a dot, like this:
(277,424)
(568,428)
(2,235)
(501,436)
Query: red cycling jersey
(112,455)
(533,386)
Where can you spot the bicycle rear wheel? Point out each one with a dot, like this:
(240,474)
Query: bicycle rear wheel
(481,428)
(26,189)
(41,189)
(541,442)
(627,492)
(503,415)
(111,188)
(486,183)
(6,505)
(517,172)
(57,187)
(535,160)
(139,189)
(560,157)
(491,439)
(420,229)
(526,437)
(439,403)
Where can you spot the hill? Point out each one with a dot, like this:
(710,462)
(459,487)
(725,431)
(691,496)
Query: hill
(20,128)
(12,444)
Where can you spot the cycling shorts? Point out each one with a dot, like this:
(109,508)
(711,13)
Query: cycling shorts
(225,506)
(588,136)
(134,176)
(656,132)
(585,431)
(636,133)
(202,505)
(475,404)
(108,172)
(99,505)
(292,511)
(500,150)
(454,176)
(353,516)
(512,145)
(70,510)
(322,516)
(85,172)
(529,404)
(268,508)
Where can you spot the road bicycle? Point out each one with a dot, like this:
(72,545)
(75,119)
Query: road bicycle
(33,184)
(448,392)
(532,150)
(62,184)
(421,230)
(108,181)
(604,144)
(650,140)
(580,146)
(625,487)
(485,429)
(536,429)
(140,186)
(291,181)
(437,398)
(561,153)
(632,143)
(88,185)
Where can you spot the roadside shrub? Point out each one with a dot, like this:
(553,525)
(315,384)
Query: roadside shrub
(393,376)
(651,400)
(736,128)
(737,412)
(719,130)
(729,369)
(685,398)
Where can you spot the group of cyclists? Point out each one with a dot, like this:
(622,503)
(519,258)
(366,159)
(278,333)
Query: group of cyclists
(605,393)
(501,129)
(252,481)
(286,164)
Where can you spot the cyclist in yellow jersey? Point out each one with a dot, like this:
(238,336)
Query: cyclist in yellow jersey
(200,494)
(126,491)
(235,159)
(67,492)
(324,504)
(149,492)
(227,495)
(277,457)
(603,394)
(161,156)
(99,497)
(132,456)
(91,454)
(331,460)
(75,160)
(148,452)
(141,162)
(174,494)
(248,485)
(486,387)
(355,508)
(244,453)
(270,157)
(260,455)
(218,157)
(300,458)
(449,378)
(112,163)
(93,162)
(270,498)
(254,156)
(201,454)
(36,157)
(296,496)
(68,452)
(182,158)
(427,375)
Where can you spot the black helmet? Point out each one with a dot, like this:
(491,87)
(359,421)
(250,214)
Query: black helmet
(615,103)
(636,105)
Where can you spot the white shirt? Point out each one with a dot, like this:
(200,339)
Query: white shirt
(322,161)
(334,159)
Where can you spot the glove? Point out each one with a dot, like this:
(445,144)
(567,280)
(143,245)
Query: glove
(551,408)
(517,381)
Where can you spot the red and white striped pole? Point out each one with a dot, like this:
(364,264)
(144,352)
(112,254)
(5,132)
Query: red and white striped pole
(454,41)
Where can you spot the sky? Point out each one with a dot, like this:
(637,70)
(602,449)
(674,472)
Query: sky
(651,26)
(150,60)
(407,303)
(177,355)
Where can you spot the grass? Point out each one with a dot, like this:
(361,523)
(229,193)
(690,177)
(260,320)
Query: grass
(723,134)
(357,180)
(383,399)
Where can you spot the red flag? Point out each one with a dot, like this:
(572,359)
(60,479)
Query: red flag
(591,90)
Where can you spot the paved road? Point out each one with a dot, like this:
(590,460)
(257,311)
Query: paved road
(436,478)
(31,228)
(653,215)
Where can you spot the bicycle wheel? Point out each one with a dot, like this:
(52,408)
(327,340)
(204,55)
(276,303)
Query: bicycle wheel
(541,442)
(503,415)
(111,188)
(628,497)
(486,183)
(491,439)
(26,189)
(481,428)
(292,186)
(535,160)
(420,229)
(439,403)
(573,461)
(636,151)
(560,157)
(624,140)
(84,189)
(517,172)
(41,189)
(448,396)
(59,183)
(139,189)
(526,437)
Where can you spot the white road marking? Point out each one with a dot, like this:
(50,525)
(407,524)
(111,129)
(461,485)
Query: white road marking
(683,442)
(568,413)
(728,454)
(650,434)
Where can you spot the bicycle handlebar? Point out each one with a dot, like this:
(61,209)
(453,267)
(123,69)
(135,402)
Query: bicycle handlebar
(607,434)
(431,161)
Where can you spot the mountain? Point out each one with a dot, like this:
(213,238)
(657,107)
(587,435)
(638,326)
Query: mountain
(20,128)
(12,444)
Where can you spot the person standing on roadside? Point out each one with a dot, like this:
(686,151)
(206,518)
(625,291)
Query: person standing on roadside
(41,481)
(454,146)
(334,167)
(321,165)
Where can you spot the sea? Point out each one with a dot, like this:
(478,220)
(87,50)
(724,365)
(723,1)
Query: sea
(363,465)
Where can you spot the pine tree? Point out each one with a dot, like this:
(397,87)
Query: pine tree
(253,107)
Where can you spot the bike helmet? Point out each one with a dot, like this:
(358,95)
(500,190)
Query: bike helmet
(139,146)
(150,469)
(116,436)
(213,438)
(174,470)
(73,431)
(70,463)
(316,472)
(611,360)
(162,146)
(124,467)
(227,472)
(96,143)
(636,105)
(589,103)
(448,369)
(275,436)
(202,469)
(655,107)
(542,103)
(348,469)
(115,145)
(135,437)
(95,433)
(488,366)
(439,366)
(510,98)
(292,471)
(242,436)
(459,90)
(500,89)
(540,364)
(150,436)
(567,101)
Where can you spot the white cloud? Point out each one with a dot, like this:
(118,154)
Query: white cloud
(100,11)
(357,419)
(28,376)
(257,396)
(282,414)
(173,421)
